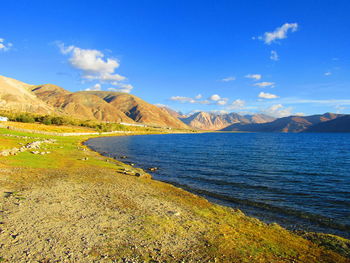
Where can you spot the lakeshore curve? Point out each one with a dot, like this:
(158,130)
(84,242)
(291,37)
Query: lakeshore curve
(75,205)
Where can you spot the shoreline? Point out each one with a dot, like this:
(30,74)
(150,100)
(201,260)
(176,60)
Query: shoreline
(167,213)
(217,200)
(253,211)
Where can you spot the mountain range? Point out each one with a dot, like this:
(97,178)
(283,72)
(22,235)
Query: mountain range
(290,124)
(88,105)
(109,106)
(214,121)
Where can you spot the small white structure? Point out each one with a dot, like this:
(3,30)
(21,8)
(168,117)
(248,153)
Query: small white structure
(3,118)
(133,124)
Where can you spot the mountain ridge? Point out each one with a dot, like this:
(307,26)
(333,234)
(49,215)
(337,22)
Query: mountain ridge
(216,121)
(285,124)
(51,99)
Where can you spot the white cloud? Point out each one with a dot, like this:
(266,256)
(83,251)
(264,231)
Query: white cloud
(4,46)
(267,95)
(254,76)
(227,79)
(214,97)
(236,105)
(329,102)
(121,87)
(278,33)
(340,108)
(161,105)
(95,87)
(182,99)
(274,56)
(328,73)
(95,66)
(222,102)
(264,84)
(278,111)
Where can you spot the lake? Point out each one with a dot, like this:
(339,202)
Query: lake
(298,180)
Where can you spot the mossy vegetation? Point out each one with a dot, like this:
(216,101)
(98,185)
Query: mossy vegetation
(81,201)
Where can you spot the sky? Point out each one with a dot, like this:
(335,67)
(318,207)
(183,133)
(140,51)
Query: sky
(274,57)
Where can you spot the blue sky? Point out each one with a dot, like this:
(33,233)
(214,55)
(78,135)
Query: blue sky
(275,57)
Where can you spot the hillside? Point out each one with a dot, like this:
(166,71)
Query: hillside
(79,105)
(259,118)
(17,96)
(286,124)
(138,109)
(172,112)
(341,124)
(101,106)
(214,121)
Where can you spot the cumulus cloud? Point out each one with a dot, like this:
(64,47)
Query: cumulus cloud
(214,99)
(264,84)
(182,99)
(227,79)
(266,95)
(161,105)
(95,87)
(4,46)
(278,111)
(329,102)
(340,108)
(222,102)
(278,33)
(121,87)
(236,105)
(95,66)
(254,76)
(274,56)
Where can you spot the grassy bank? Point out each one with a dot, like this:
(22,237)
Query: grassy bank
(74,205)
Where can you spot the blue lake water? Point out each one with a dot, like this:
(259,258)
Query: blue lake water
(301,181)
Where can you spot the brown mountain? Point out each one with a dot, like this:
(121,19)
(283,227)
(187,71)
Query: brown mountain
(341,124)
(79,105)
(213,121)
(259,118)
(17,96)
(102,106)
(138,109)
(172,112)
(286,124)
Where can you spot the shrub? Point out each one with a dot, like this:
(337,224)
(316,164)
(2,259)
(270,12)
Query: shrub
(25,118)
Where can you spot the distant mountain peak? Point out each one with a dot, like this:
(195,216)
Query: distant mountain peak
(285,124)
(216,120)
